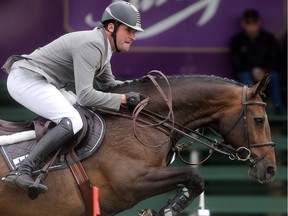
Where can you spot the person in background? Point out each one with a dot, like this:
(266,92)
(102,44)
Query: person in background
(36,80)
(255,52)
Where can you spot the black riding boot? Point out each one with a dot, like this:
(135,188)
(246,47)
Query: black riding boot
(53,140)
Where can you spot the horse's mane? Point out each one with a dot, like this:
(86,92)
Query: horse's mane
(194,78)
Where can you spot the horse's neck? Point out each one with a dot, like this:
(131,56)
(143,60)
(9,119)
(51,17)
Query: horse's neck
(196,102)
(201,105)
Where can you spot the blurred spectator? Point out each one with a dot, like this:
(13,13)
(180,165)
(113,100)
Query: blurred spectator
(255,52)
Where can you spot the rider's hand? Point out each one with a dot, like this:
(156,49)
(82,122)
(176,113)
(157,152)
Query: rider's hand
(133,99)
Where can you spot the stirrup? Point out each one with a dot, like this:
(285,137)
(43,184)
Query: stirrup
(34,190)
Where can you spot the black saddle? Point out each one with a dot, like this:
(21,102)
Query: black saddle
(84,143)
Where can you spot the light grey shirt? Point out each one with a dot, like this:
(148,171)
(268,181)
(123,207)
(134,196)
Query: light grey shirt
(78,58)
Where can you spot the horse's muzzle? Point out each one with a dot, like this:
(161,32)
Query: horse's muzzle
(262,175)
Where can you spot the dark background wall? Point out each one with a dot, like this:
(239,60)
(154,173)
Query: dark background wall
(195,44)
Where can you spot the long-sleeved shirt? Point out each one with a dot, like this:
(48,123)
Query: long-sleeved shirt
(78,58)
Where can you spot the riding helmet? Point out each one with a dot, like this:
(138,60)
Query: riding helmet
(123,12)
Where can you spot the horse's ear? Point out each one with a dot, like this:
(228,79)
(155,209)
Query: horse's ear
(260,87)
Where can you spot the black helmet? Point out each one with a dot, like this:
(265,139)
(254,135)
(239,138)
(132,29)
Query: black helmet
(125,13)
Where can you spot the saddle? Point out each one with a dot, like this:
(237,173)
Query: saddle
(84,143)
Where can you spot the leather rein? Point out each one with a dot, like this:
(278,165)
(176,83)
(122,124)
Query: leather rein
(167,125)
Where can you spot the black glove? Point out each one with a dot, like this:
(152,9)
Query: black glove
(133,98)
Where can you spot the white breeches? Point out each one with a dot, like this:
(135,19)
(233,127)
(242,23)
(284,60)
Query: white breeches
(32,91)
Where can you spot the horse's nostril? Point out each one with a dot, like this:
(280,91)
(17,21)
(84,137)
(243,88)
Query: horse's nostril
(271,171)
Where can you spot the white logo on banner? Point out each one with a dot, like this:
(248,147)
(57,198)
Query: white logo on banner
(209,6)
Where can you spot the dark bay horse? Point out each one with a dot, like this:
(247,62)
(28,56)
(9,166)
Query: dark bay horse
(127,172)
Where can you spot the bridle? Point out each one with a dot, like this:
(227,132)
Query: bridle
(169,127)
(249,145)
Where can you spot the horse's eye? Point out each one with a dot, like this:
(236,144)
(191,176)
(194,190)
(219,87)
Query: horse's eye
(259,121)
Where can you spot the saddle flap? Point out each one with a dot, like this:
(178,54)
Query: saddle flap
(85,142)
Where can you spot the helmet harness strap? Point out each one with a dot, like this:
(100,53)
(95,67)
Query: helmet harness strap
(114,35)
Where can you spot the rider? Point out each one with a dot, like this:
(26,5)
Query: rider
(35,81)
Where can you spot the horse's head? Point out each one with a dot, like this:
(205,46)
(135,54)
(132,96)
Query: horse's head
(248,131)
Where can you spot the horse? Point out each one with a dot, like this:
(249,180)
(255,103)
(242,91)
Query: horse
(132,163)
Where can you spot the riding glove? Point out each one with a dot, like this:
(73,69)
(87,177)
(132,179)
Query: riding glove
(133,98)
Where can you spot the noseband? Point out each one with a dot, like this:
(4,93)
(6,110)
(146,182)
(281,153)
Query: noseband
(242,149)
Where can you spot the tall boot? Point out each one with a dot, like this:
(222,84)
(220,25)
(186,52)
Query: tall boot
(52,141)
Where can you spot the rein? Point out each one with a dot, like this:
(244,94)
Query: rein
(140,108)
(167,126)
(212,144)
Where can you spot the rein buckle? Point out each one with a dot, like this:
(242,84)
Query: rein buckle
(242,154)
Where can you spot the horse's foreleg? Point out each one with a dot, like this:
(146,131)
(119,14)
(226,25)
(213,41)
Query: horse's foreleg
(175,207)
(189,182)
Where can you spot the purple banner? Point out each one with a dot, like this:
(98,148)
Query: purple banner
(181,36)
(181,23)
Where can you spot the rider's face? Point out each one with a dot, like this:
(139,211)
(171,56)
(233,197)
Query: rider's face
(125,37)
